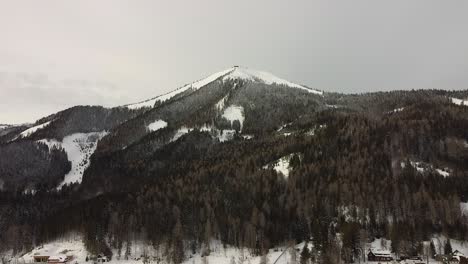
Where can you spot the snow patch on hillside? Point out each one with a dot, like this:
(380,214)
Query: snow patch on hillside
(281,165)
(423,167)
(263,77)
(396,110)
(180,132)
(222,103)
(233,113)
(32,130)
(51,143)
(222,135)
(192,86)
(443,172)
(79,148)
(247,137)
(156,125)
(464,208)
(226,135)
(459,101)
(283,127)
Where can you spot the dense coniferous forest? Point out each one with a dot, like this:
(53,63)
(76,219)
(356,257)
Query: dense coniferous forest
(361,166)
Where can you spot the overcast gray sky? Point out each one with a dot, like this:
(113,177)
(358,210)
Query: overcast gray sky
(55,54)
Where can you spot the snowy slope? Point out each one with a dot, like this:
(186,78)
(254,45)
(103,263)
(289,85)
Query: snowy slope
(79,148)
(32,130)
(194,86)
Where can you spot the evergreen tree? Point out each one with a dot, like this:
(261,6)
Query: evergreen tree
(448,247)
(305,254)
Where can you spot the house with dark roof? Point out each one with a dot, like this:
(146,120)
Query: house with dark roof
(379,255)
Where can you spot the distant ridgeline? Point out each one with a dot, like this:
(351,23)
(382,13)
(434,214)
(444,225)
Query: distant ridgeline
(245,158)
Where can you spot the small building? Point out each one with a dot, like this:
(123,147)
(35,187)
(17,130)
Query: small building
(412,260)
(379,255)
(457,257)
(101,259)
(57,259)
(41,258)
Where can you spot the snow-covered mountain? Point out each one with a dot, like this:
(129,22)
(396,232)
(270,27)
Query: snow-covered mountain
(242,157)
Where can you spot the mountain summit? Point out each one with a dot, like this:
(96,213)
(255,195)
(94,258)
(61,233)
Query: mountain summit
(233,73)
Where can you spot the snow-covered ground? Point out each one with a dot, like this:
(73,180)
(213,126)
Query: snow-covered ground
(459,101)
(156,125)
(72,246)
(233,113)
(79,148)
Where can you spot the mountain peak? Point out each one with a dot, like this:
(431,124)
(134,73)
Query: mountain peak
(233,73)
(252,75)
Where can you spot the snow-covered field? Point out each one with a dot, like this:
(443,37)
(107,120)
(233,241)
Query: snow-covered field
(73,247)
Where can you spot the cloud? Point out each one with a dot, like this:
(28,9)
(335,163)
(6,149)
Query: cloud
(27,96)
